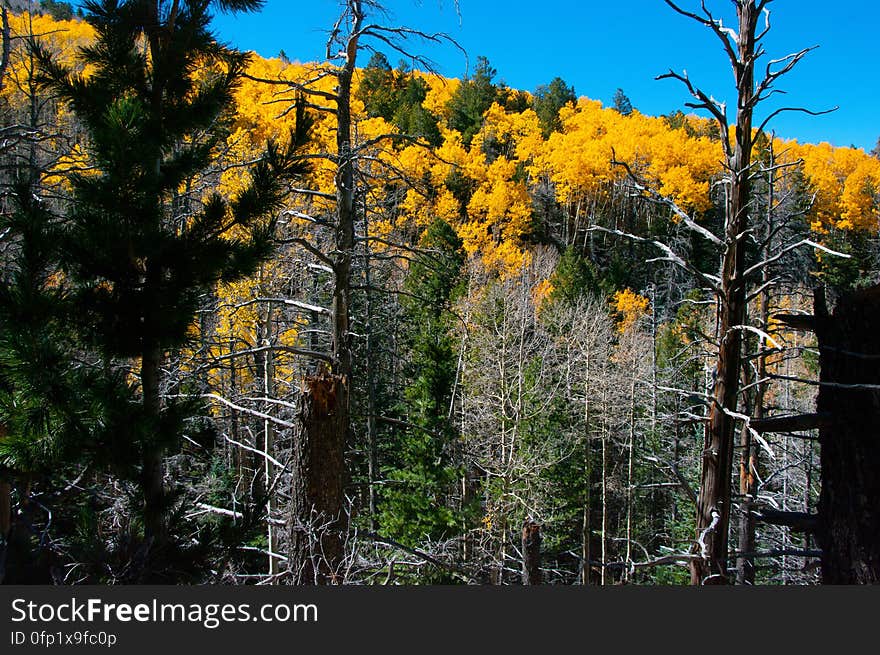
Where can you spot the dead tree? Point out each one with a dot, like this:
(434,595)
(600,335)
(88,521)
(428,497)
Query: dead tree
(5,46)
(326,426)
(730,284)
(783,213)
(318,517)
(5,511)
(847,526)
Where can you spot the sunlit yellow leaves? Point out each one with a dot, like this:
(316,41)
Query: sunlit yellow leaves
(521,130)
(499,215)
(846,184)
(60,38)
(416,161)
(678,183)
(541,293)
(631,307)
(579,159)
(492,210)
(860,197)
(446,207)
(76,161)
(440,92)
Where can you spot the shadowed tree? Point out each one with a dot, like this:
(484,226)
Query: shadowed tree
(318,518)
(729,284)
(138,256)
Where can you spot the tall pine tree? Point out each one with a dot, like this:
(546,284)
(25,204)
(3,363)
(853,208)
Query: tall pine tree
(138,256)
(416,505)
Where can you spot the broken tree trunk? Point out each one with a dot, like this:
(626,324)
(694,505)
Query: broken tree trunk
(531,549)
(849,503)
(318,521)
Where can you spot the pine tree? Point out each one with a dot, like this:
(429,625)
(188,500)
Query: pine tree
(475,95)
(621,104)
(57,408)
(138,254)
(549,99)
(415,506)
(377,88)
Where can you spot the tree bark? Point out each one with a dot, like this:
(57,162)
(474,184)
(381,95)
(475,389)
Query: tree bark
(153,469)
(6,46)
(531,549)
(319,446)
(849,502)
(797,423)
(713,507)
(745,565)
(586,519)
(748,465)
(318,519)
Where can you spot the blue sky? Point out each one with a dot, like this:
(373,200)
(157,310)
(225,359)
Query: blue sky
(598,46)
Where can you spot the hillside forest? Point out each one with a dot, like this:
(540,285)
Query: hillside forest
(353,322)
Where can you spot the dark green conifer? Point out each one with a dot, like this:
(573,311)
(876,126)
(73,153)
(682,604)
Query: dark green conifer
(549,99)
(138,254)
(423,475)
(472,99)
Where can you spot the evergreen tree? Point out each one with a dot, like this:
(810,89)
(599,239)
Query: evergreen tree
(411,117)
(576,278)
(57,408)
(137,255)
(549,99)
(33,404)
(423,476)
(621,104)
(397,96)
(377,88)
(475,95)
(514,101)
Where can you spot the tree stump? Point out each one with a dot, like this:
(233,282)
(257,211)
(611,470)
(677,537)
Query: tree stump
(318,521)
(531,549)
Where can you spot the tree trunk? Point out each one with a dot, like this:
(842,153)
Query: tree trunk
(629,469)
(372,443)
(268,445)
(849,509)
(5,511)
(713,507)
(319,448)
(748,465)
(318,521)
(586,519)
(153,469)
(531,549)
(604,542)
(5,523)
(6,46)
(745,565)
